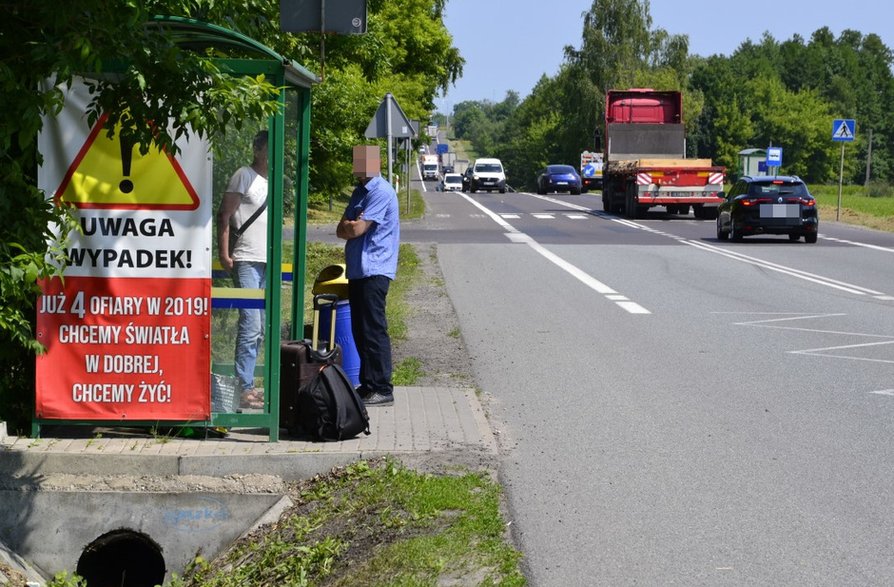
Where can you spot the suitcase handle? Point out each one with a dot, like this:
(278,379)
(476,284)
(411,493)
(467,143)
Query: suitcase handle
(331,300)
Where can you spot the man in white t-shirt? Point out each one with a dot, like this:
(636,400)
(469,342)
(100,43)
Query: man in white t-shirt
(243,211)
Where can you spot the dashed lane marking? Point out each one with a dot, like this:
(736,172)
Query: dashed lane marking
(516,236)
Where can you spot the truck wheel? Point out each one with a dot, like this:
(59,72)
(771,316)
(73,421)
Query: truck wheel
(683,210)
(630,202)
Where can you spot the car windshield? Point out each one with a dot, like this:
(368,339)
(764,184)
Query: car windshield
(453,179)
(488,168)
(559,169)
(430,166)
(781,188)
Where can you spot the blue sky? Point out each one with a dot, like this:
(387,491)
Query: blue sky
(509,44)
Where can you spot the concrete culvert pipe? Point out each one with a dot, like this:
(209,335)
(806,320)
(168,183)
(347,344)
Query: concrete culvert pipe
(122,558)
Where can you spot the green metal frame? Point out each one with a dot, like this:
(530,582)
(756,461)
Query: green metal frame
(288,76)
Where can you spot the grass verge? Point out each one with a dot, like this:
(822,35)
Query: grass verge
(375,523)
(859,205)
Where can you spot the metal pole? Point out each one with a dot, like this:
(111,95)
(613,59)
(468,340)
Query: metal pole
(868,159)
(409,172)
(840,179)
(388,126)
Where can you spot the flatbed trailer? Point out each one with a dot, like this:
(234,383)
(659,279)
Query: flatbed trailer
(645,162)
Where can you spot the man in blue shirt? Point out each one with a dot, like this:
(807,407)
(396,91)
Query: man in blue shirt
(371,227)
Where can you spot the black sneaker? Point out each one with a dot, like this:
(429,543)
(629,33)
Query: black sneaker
(378,399)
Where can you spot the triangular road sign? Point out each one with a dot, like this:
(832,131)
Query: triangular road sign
(105,175)
(401,127)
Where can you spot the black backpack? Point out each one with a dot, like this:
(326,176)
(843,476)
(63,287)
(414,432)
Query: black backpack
(329,408)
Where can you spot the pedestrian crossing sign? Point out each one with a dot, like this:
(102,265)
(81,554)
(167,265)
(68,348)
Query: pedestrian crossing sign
(843,129)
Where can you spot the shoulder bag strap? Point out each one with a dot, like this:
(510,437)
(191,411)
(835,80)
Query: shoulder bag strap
(238,232)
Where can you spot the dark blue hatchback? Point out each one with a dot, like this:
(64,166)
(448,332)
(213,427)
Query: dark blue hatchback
(768,205)
(558,178)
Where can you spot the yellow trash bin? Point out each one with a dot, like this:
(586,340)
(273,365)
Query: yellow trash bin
(332,280)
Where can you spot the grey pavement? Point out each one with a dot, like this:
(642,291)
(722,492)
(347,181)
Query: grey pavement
(441,421)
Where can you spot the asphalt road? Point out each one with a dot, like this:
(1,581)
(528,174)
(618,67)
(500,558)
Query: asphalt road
(674,409)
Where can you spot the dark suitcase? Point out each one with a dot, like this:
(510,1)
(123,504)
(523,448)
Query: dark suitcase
(300,361)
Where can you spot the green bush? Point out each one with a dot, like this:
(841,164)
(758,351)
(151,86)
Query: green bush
(879,189)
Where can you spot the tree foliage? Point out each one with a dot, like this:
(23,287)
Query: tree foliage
(766,93)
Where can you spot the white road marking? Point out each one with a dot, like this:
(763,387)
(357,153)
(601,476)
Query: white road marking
(516,236)
(824,351)
(812,277)
(509,216)
(826,281)
(883,392)
(543,216)
(576,216)
(856,244)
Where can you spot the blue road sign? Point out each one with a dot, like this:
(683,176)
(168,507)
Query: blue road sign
(844,129)
(774,157)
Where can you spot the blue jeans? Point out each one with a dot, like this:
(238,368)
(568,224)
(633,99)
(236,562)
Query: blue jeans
(370,330)
(250,332)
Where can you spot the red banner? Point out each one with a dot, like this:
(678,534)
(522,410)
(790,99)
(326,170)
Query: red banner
(124,349)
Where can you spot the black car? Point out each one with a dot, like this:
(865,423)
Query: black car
(467,179)
(768,205)
(558,178)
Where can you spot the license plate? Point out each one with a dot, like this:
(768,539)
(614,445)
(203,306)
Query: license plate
(561,183)
(780,211)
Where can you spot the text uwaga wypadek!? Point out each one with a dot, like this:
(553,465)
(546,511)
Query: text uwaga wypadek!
(137,258)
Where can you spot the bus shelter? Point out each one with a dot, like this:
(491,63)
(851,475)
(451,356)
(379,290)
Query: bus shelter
(141,330)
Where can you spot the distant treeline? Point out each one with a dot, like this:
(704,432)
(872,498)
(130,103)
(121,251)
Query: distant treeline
(766,93)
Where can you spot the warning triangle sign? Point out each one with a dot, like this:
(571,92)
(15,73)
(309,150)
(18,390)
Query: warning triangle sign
(107,173)
(843,131)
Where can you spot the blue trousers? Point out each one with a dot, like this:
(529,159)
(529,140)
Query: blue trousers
(250,331)
(370,329)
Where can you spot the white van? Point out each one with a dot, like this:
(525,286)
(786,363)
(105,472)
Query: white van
(487,174)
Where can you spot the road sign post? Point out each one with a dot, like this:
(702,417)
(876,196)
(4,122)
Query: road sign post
(843,131)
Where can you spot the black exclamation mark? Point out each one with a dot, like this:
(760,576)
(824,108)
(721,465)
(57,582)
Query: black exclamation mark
(126,186)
